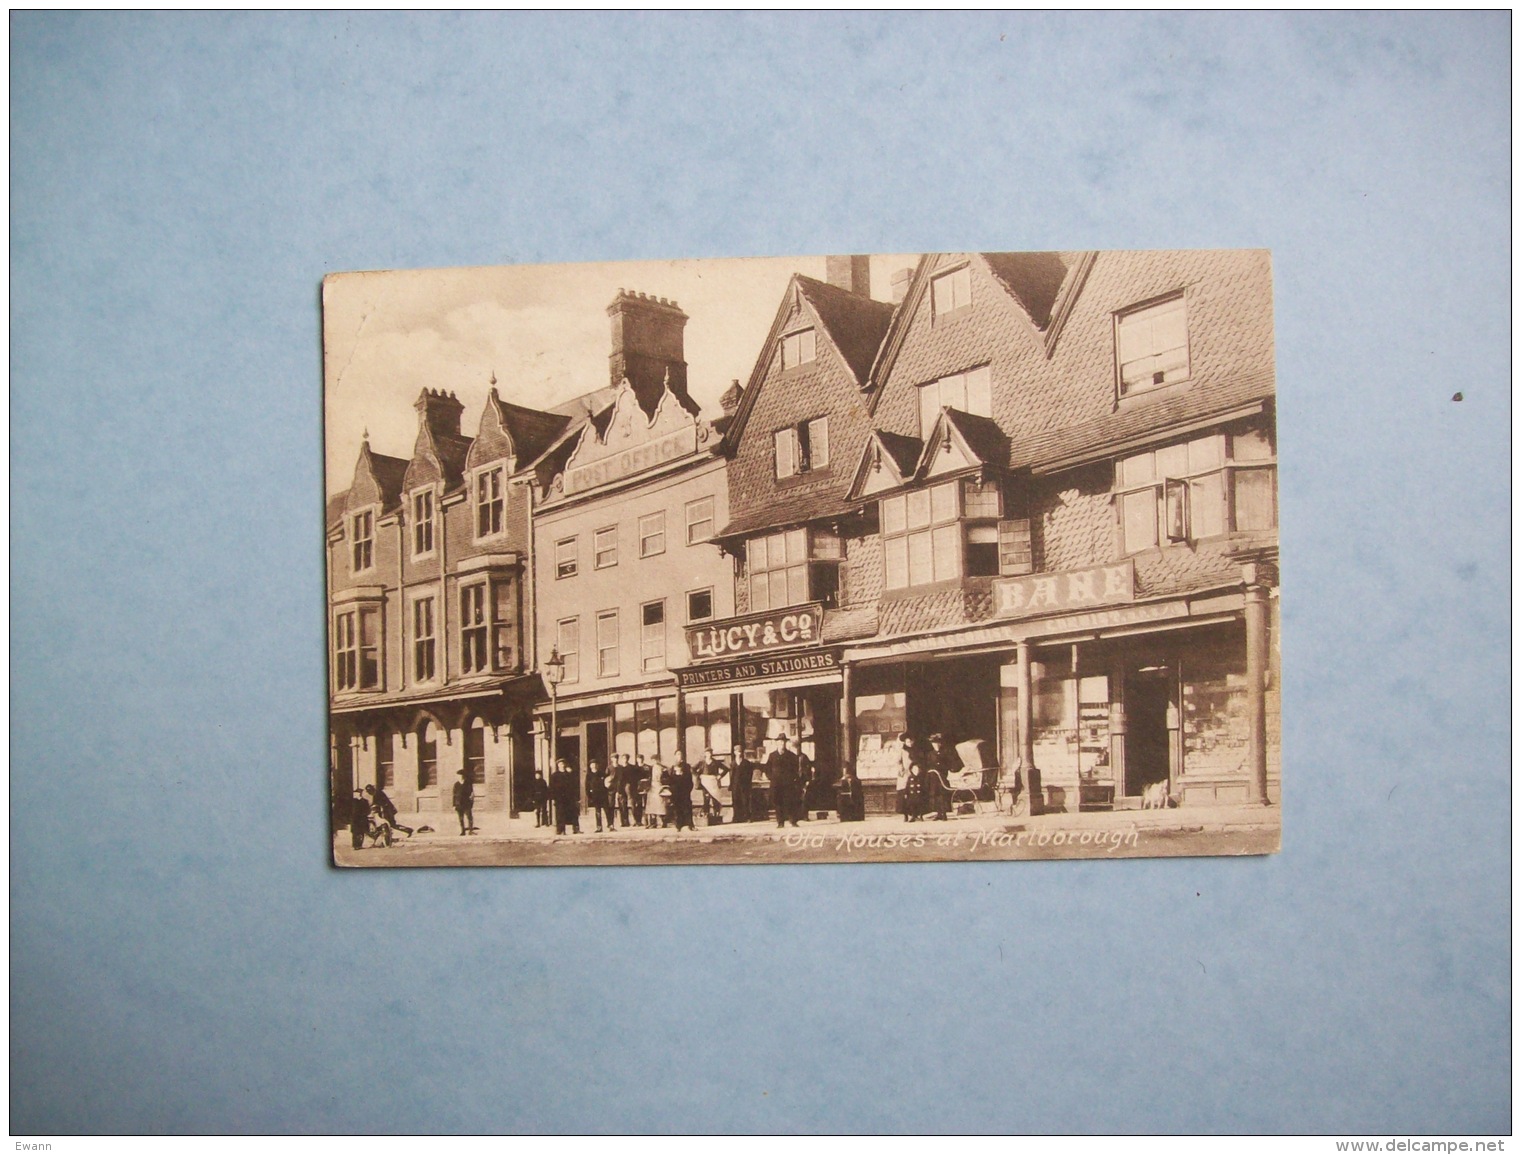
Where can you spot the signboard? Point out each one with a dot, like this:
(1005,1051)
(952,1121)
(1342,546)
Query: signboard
(1051,593)
(756,633)
(635,459)
(758,669)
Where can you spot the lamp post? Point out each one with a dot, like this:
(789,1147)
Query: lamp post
(554,674)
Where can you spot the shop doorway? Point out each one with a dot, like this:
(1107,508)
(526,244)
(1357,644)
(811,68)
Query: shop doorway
(569,748)
(597,742)
(1148,694)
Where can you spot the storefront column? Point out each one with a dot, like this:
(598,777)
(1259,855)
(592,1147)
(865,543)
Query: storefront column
(681,725)
(847,715)
(1029,777)
(1256,683)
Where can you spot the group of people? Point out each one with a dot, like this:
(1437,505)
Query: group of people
(923,779)
(625,793)
(653,794)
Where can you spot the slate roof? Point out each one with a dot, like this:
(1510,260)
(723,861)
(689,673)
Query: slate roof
(855,323)
(532,430)
(904,451)
(981,434)
(799,509)
(1146,419)
(1034,279)
(335,507)
(389,475)
(938,609)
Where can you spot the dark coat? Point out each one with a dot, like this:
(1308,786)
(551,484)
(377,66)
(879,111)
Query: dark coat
(564,788)
(679,779)
(464,794)
(741,776)
(596,787)
(359,813)
(782,770)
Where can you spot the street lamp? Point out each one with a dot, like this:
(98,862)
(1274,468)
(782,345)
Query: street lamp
(554,674)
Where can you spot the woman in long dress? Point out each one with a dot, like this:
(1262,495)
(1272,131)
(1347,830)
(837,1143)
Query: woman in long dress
(654,801)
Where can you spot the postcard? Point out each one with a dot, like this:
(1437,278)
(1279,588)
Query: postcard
(938,556)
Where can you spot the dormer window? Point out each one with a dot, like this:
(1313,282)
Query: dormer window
(363,550)
(1151,345)
(488,502)
(951,292)
(799,348)
(422,523)
(970,392)
(802,448)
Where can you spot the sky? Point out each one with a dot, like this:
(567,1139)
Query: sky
(543,330)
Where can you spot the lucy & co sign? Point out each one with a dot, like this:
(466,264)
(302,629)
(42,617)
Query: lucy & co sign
(756,634)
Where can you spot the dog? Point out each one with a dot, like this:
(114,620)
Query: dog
(1156,797)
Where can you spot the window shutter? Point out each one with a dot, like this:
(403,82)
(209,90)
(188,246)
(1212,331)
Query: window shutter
(1014,554)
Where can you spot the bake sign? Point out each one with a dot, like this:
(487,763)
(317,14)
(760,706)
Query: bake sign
(1049,593)
(794,626)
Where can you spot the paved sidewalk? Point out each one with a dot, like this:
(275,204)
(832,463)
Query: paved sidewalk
(498,827)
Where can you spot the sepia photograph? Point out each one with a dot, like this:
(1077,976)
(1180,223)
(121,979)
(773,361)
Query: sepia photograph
(939,556)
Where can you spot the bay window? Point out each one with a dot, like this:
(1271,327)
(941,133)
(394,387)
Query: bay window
(356,648)
(1203,488)
(942,533)
(792,567)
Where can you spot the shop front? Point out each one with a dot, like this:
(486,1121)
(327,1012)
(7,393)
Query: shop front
(762,677)
(1159,702)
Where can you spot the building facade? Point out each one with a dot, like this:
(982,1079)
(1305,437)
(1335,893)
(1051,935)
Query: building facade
(1045,522)
(428,618)
(626,506)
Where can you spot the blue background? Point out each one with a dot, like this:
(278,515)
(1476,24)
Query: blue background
(182,956)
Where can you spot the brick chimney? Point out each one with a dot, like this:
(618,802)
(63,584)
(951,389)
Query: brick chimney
(853,274)
(900,284)
(648,347)
(439,411)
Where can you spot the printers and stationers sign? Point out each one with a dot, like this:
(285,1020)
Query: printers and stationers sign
(805,663)
(756,634)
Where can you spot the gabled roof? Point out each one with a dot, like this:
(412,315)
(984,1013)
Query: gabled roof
(853,326)
(1044,285)
(385,475)
(1034,279)
(531,430)
(897,454)
(979,436)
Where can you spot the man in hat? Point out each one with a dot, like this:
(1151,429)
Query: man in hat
(567,797)
(464,802)
(782,770)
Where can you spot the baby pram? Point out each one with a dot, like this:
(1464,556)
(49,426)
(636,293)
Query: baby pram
(970,789)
